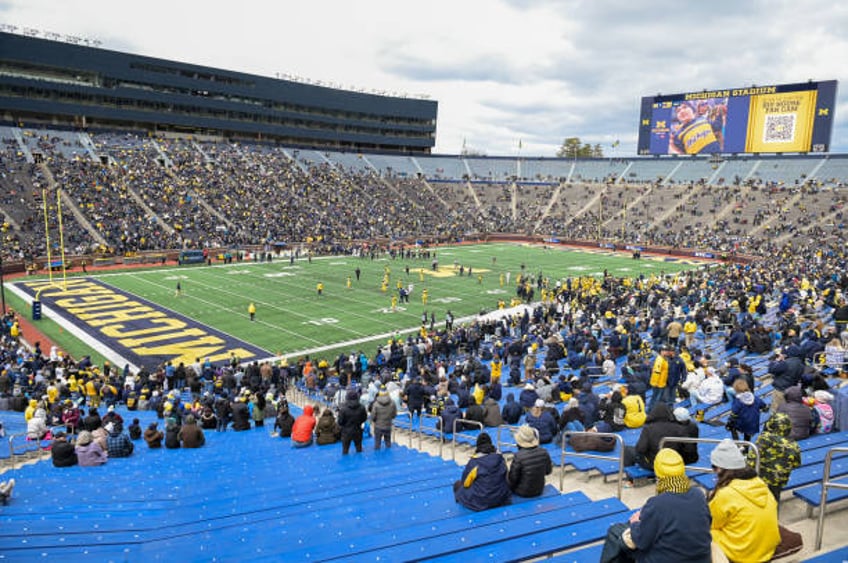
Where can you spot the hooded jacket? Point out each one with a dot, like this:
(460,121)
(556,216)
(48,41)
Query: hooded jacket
(745,520)
(383,412)
(799,414)
(659,424)
(512,411)
(303,426)
(492,416)
(487,487)
(327,431)
(745,412)
(351,417)
(448,416)
(779,454)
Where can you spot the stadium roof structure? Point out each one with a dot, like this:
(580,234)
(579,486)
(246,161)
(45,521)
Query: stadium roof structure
(62,84)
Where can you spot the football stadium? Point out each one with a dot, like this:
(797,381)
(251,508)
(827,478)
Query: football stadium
(214,283)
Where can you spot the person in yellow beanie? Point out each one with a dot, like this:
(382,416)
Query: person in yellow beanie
(674,525)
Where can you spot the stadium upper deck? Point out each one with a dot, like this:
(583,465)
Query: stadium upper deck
(44,81)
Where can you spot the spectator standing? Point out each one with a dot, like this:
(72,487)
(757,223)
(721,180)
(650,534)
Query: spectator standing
(352,416)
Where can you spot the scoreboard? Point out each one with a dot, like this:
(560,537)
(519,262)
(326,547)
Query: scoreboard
(756,119)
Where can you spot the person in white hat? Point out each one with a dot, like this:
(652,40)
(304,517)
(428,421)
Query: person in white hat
(530,465)
(743,509)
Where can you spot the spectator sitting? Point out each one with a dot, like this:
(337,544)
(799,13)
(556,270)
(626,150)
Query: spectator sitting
(527,397)
(153,436)
(285,421)
(484,480)
(543,421)
(89,452)
(118,443)
(511,411)
(134,429)
(530,465)
(799,413)
(674,525)
(302,429)
(634,409)
(450,414)
(743,509)
(172,434)
(190,434)
(492,416)
(62,452)
(327,431)
(208,420)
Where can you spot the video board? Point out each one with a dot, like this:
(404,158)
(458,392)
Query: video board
(757,119)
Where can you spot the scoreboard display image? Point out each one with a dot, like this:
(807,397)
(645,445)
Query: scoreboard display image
(758,119)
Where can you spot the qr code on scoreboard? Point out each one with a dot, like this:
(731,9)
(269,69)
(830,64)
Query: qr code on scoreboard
(779,128)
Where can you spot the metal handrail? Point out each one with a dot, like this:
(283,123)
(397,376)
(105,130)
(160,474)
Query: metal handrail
(455,433)
(683,440)
(827,484)
(440,433)
(619,457)
(508,427)
(820,361)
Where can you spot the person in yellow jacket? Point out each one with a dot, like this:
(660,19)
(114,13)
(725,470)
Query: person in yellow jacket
(15,330)
(690,327)
(30,410)
(251,310)
(496,370)
(659,377)
(743,510)
(634,410)
(92,392)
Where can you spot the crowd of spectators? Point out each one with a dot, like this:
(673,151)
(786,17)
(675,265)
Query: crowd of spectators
(158,194)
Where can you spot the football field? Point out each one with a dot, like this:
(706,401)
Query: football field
(293,319)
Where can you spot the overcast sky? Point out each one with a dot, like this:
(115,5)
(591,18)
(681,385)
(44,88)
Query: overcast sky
(502,71)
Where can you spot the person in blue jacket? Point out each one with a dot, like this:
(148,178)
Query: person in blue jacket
(542,420)
(672,526)
(511,411)
(484,482)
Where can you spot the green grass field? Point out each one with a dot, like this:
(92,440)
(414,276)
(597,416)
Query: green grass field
(292,319)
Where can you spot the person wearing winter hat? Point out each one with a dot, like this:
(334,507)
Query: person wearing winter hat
(89,452)
(543,421)
(383,413)
(352,416)
(153,436)
(823,411)
(743,510)
(483,483)
(527,397)
(674,525)
(745,411)
(530,465)
(117,442)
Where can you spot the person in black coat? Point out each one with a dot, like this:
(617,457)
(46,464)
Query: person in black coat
(284,421)
(62,452)
(530,465)
(661,423)
(352,416)
(93,421)
(241,415)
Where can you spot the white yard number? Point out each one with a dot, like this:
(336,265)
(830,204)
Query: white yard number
(322,321)
(447,300)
